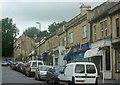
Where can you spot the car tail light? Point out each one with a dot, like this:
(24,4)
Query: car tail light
(30,69)
(56,77)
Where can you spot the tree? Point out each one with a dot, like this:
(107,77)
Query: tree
(9,32)
(31,32)
(43,33)
(54,26)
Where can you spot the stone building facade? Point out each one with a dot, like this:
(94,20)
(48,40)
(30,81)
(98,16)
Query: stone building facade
(23,46)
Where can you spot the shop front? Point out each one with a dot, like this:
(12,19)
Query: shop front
(76,53)
(100,54)
(58,54)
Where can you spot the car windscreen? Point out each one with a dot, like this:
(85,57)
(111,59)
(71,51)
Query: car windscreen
(44,68)
(90,69)
(34,64)
(59,69)
(40,63)
(80,68)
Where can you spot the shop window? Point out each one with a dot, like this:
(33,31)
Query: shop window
(118,60)
(117,28)
(56,61)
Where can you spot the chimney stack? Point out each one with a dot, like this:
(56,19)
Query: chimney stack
(84,8)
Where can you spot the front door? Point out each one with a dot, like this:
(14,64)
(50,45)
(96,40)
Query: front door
(106,61)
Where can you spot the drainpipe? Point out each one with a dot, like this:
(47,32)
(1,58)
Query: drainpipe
(111,58)
(90,38)
(91,32)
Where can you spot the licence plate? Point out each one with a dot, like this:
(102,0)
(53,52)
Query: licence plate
(33,69)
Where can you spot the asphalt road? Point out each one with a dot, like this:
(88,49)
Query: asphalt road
(10,76)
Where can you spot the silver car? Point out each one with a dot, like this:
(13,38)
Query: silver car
(41,72)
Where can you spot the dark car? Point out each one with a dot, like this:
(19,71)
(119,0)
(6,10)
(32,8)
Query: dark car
(4,63)
(19,67)
(13,65)
(53,73)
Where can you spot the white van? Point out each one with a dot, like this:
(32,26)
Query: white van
(32,67)
(79,73)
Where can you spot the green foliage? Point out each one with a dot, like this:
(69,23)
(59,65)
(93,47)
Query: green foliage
(9,32)
(54,26)
(43,33)
(31,32)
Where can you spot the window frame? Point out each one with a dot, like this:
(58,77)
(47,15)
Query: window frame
(117,27)
(95,36)
(84,31)
(71,37)
(101,30)
(105,28)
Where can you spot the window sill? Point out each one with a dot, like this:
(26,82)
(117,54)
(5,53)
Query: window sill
(84,38)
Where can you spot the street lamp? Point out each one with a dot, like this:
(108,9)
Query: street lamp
(39,25)
(39,32)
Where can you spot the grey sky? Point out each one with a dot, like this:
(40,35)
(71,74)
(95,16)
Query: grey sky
(26,14)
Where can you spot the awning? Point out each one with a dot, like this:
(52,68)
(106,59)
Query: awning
(92,52)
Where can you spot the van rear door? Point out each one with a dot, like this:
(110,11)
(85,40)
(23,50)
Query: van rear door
(91,73)
(34,66)
(79,73)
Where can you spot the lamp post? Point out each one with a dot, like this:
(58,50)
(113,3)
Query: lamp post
(39,32)
(39,25)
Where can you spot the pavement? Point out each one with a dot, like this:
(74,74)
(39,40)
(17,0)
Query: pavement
(109,82)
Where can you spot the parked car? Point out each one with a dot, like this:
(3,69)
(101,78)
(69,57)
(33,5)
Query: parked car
(16,66)
(32,67)
(9,62)
(79,73)
(4,63)
(19,67)
(13,65)
(24,68)
(41,72)
(53,74)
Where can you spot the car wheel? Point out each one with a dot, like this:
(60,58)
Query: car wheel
(71,83)
(28,74)
(47,81)
(96,83)
(38,78)
(35,78)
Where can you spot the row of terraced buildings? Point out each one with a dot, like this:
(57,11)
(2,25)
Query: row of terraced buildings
(93,35)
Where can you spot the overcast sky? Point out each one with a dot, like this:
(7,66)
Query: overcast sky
(26,14)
